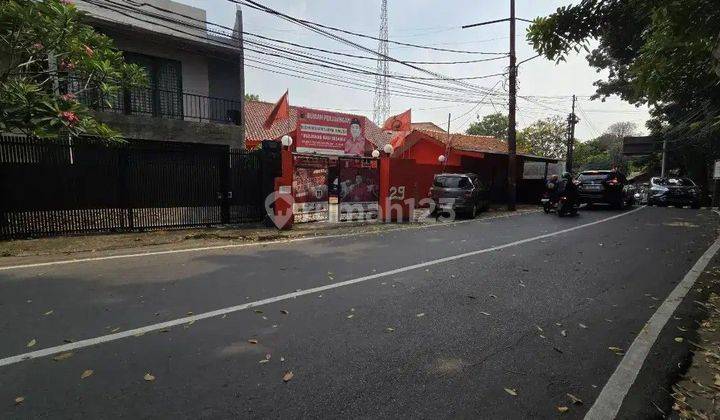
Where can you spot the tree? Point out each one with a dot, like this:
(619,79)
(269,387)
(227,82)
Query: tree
(622,129)
(252,97)
(49,58)
(658,53)
(495,125)
(545,137)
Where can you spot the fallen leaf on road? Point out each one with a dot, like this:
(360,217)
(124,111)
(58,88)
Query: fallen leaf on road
(282,359)
(62,356)
(681,329)
(421,314)
(679,339)
(191,322)
(539,329)
(258,311)
(563,333)
(189,312)
(288,375)
(511,391)
(32,342)
(471,297)
(558,324)
(493,296)
(350,316)
(116,329)
(389,329)
(575,400)
(252,341)
(148,377)
(19,400)
(562,409)
(48,312)
(485,313)
(284,311)
(583,326)
(86,373)
(268,356)
(263,361)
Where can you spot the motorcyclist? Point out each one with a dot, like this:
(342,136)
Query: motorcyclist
(567,187)
(552,187)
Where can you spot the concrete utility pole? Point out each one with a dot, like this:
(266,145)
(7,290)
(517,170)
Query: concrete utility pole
(572,120)
(512,105)
(663,165)
(512,135)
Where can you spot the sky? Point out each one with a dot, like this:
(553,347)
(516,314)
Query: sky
(434,23)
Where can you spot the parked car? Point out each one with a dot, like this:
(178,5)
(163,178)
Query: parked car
(604,186)
(462,193)
(674,191)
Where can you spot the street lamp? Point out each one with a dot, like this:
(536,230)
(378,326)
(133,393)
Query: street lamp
(388,149)
(286,140)
(375,153)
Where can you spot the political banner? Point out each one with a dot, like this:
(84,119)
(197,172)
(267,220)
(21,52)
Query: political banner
(330,133)
(310,191)
(359,189)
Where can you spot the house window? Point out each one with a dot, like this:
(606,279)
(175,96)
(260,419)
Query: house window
(163,95)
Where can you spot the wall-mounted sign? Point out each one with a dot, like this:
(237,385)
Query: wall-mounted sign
(330,133)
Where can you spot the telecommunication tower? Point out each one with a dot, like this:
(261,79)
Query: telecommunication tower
(381,103)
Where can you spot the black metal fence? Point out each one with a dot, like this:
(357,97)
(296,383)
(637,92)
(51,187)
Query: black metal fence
(52,187)
(162,103)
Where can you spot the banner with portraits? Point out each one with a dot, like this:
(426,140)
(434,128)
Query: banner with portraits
(359,187)
(310,188)
(330,133)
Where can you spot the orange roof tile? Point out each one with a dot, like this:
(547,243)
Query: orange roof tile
(468,142)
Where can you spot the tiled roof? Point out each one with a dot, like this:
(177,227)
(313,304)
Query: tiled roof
(468,142)
(256,113)
(425,126)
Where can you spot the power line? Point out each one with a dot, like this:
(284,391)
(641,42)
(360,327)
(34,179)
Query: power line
(257,6)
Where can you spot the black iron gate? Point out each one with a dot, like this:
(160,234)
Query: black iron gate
(69,186)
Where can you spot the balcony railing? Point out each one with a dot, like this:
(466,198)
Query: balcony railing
(162,103)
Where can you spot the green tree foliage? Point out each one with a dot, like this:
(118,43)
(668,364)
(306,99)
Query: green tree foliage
(545,137)
(495,125)
(48,58)
(252,97)
(605,151)
(658,53)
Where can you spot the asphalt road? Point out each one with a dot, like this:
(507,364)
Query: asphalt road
(442,339)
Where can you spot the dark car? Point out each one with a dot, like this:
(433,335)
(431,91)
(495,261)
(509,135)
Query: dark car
(462,193)
(674,191)
(606,187)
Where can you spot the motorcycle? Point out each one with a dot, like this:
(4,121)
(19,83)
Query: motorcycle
(562,206)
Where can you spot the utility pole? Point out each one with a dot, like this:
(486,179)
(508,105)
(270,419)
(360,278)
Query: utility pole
(512,105)
(572,120)
(663,165)
(512,135)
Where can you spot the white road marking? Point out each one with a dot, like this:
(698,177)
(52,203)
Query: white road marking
(610,400)
(219,312)
(279,241)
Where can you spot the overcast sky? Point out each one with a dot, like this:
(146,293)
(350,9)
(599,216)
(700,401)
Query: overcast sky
(435,23)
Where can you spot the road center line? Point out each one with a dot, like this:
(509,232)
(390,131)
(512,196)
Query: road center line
(219,312)
(611,397)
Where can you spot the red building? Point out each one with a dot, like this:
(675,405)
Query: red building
(423,145)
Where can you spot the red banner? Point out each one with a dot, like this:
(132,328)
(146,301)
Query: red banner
(359,188)
(330,133)
(310,189)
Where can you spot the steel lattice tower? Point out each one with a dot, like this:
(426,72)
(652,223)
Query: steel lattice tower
(381,103)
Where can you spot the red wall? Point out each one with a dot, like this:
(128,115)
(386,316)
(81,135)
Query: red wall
(416,178)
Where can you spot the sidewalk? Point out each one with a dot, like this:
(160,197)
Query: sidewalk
(25,251)
(697,392)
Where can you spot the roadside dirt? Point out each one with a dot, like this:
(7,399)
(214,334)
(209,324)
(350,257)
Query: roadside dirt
(27,251)
(697,392)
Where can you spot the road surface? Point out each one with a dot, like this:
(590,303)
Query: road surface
(438,321)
